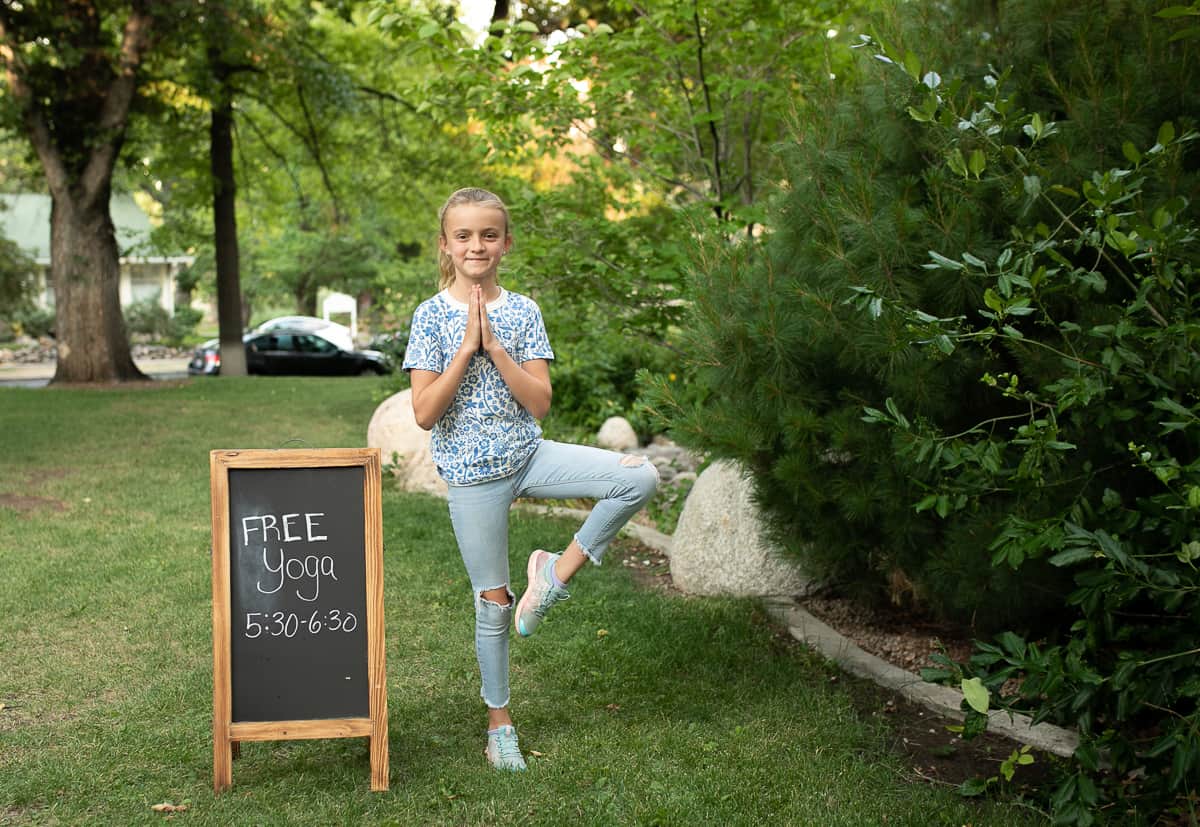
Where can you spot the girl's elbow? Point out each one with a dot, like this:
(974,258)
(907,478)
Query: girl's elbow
(424,421)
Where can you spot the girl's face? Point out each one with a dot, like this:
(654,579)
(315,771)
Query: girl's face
(475,238)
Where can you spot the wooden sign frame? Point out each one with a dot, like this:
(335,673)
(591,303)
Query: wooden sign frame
(227,733)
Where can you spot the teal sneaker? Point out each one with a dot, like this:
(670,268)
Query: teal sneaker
(502,749)
(540,594)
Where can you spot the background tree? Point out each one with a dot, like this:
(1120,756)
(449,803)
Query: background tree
(71,73)
(616,148)
(72,76)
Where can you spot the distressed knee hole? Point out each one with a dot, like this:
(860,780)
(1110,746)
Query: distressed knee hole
(482,600)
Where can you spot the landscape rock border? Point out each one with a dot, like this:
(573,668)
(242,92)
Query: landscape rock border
(943,700)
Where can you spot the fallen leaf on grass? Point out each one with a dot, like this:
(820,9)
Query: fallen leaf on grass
(535,753)
(169,808)
(613,707)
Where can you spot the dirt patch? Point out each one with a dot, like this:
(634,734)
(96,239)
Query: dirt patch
(931,751)
(23,503)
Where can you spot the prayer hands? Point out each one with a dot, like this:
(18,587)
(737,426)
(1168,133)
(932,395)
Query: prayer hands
(479,334)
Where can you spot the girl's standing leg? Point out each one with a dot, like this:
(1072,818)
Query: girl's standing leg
(621,485)
(479,514)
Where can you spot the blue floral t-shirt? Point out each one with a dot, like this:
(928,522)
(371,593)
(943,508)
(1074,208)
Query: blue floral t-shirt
(486,433)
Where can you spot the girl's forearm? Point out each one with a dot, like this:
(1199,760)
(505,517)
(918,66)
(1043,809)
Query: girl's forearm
(533,392)
(431,400)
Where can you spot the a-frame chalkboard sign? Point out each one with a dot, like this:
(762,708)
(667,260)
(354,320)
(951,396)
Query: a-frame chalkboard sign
(297,576)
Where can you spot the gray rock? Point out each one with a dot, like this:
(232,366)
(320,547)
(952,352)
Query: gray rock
(719,546)
(616,434)
(666,471)
(404,445)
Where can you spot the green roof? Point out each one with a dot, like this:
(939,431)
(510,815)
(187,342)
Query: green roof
(25,219)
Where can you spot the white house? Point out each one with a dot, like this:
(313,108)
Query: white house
(145,272)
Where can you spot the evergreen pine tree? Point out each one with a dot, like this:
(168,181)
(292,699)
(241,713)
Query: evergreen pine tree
(785,360)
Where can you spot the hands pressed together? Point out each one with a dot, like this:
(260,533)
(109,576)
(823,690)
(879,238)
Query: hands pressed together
(479,334)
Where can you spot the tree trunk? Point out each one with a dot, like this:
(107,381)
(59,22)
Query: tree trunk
(229,291)
(93,345)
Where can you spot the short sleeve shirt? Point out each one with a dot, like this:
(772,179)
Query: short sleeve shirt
(486,433)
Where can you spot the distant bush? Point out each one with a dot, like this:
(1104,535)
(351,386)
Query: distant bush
(33,322)
(150,320)
(183,324)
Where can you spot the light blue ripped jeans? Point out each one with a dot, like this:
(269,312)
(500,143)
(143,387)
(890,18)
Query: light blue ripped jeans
(620,484)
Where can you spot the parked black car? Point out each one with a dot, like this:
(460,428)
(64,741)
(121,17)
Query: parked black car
(294,352)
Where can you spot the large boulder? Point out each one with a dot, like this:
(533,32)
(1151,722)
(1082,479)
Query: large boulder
(616,434)
(404,445)
(719,546)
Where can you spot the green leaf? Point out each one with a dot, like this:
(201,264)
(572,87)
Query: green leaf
(957,163)
(1131,153)
(977,163)
(527,26)
(890,404)
(1177,11)
(972,787)
(429,30)
(947,263)
(1189,552)
(918,115)
(975,694)
(1071,556)
(912,65)
(992,299)
(974,261)
(1166,133)
(1032,184)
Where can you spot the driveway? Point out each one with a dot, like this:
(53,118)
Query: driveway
(38,374)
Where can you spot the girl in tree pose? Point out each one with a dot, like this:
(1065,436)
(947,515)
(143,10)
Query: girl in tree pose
(478,357)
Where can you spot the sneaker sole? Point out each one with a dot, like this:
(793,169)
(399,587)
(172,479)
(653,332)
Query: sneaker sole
(530,574)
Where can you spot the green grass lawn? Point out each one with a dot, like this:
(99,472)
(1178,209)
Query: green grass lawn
(635,707)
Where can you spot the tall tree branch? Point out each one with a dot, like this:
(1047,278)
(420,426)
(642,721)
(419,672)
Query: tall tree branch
(115,112)
(15,72)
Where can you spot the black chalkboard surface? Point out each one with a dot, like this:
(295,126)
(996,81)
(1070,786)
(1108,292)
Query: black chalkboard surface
(297,598)
(297,563)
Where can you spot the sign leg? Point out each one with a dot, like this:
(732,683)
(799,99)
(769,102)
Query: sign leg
(223,750)
(379,760)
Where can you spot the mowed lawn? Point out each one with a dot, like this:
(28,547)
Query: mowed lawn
(635,707)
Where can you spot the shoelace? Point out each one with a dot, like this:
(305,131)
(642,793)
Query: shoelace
(506,747)
(549,599)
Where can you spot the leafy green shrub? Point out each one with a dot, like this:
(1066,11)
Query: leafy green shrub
(150,320)
(34,322)
(1099,462)
(1033,230)
(146,318)
(182,324)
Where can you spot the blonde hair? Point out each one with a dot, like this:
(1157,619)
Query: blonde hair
(467,195)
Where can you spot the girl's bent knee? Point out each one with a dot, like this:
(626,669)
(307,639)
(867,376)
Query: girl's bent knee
(644,480)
